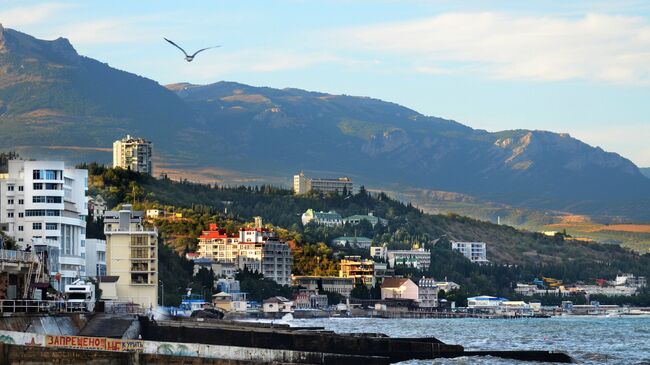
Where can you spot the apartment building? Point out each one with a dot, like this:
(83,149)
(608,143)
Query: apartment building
(417,258)
(362,271)
(256,249)
(43,205)
(427,293)
(132,255)
(474,251)
(134,154)
(303,185)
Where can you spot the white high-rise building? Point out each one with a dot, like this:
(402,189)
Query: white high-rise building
(474,251)
(133,154)
(95,257)
(303,185)
(43,205)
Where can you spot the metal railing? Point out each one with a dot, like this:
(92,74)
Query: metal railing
(18,256)
(42,306)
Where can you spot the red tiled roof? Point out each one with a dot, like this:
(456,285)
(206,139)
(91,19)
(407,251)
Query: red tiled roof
(393,282)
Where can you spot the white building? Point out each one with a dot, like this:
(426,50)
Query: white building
(329,219)
(133,154)
(97,205)
(474,251)
(359,242)
(417,258)
(399,288)
(43,204)
(378,252)
(303,185)
(95,257)
(427,293)
(256,249)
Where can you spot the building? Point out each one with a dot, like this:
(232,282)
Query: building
(382,271)
(303,185)
(417,258)
(484,302)
(134,154)
(132,255)
(43,205)
(155,213)
(427,293)
(329,219)
(474,251)
(370,218)
(95,257)
(97,206)
(362,271)
(333,284)
(447,286)
(256,249)
(378,252)
(277,261)
(359,242)
(399,288)
(310,299)
(277,305)
(630,280)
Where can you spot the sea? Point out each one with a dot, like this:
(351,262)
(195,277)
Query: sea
(588,339)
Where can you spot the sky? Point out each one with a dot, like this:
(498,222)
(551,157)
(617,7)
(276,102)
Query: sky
(578,67)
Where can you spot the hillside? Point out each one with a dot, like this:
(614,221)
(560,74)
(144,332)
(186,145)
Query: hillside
(517,255)
(51,97)
(55,103)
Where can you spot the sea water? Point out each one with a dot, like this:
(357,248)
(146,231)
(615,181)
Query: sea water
(589,340)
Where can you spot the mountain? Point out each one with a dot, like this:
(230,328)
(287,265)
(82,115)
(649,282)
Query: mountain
(56,103)
(381,143)
(645,171)
(51,96)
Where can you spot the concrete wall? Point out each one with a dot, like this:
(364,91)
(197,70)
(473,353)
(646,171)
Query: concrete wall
(17,354)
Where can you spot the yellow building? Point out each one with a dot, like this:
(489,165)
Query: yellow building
(362,271)
(132,255)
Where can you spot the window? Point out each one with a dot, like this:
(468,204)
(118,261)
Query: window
(21,188)
(38,199)
(10,214)
(36,174)
(38,186)
(50,186)
(10,188)
(21,214)
(37,226)
(21,202)
(10,201)
(42,213)
(51,226)
(21,228)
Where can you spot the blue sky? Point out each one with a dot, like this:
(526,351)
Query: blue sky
(580,67)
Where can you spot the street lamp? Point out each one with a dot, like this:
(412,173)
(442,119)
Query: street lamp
(162,291)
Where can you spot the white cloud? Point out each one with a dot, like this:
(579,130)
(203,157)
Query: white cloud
(501,45)
(101,31)
(28,15)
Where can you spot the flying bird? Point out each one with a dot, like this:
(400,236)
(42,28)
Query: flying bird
(189,58)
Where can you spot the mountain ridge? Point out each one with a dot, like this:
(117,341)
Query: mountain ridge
(52,97)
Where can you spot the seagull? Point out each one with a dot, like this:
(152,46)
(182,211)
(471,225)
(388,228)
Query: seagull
(188,58)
